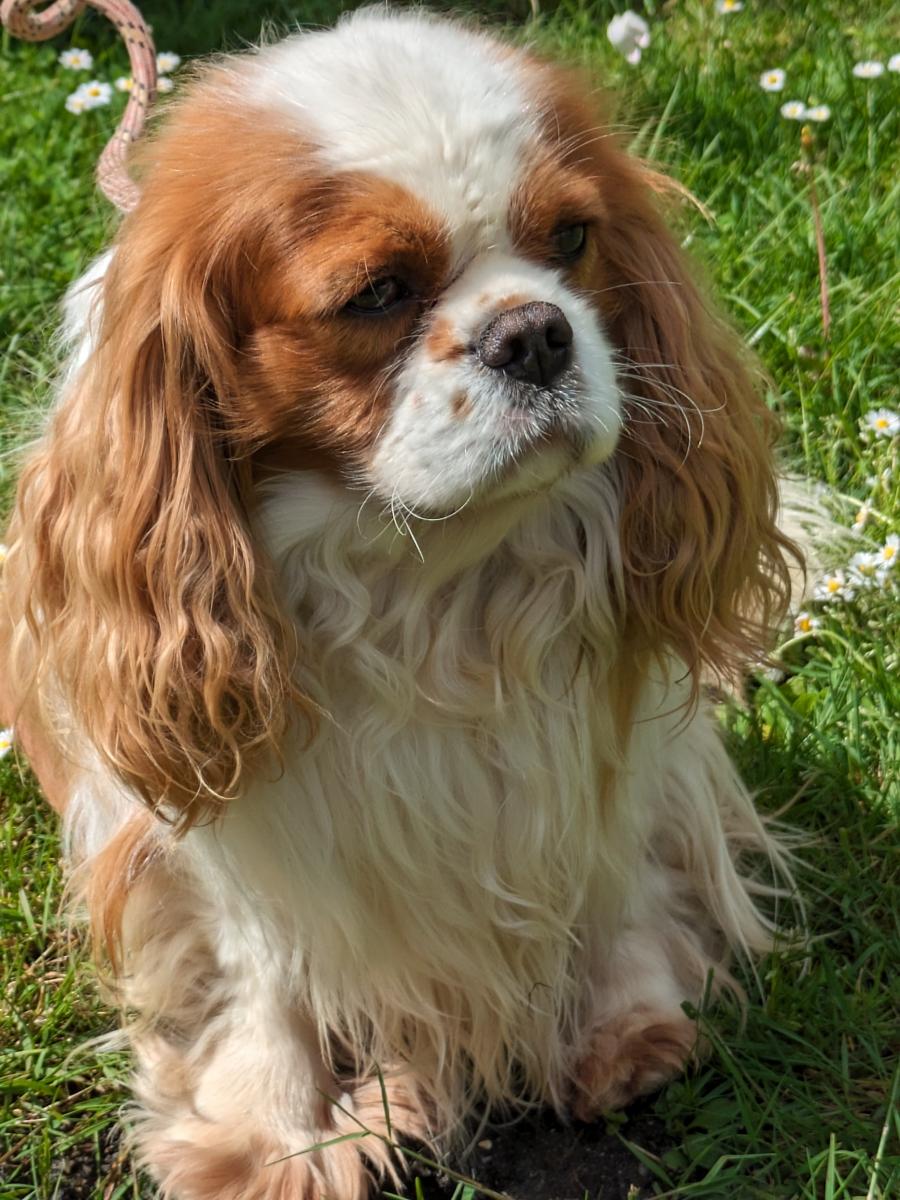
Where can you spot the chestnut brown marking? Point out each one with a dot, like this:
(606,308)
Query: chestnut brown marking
(277,248)
(461,405)
(442,343)
(549,196)
(704,562)
(224,334)
(514,300)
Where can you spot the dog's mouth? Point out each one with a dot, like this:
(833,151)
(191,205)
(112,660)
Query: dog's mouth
(544,433)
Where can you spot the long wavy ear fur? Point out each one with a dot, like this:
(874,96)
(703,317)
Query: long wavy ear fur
(705,570)
(150,608)
(703,556)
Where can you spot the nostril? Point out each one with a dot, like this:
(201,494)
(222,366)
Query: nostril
(559,334)
(497,347)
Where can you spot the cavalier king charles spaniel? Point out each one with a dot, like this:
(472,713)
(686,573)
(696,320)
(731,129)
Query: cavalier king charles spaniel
(401,494)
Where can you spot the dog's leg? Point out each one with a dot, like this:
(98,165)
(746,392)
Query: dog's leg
(688,910)
(234,1098)
(639,1037)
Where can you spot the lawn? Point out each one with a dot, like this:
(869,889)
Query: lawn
(801,1100)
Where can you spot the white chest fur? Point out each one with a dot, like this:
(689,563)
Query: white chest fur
(436,857)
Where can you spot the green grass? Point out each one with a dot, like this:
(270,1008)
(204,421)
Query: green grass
(797,1101)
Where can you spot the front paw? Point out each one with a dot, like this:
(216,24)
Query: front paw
(630,1056)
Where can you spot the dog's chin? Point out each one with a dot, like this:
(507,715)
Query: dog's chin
(529,469)
(537,465)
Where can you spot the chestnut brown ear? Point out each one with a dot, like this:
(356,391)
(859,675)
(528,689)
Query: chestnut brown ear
(704,561)
(705,575)
(147,598)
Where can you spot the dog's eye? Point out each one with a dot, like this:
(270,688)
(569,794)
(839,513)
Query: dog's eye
(569,241)
(379,296)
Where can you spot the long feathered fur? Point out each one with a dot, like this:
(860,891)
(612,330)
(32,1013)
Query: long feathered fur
(436,798)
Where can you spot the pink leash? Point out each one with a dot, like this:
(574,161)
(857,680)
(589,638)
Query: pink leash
(112,171)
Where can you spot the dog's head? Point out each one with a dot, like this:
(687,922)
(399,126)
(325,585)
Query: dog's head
(411,258)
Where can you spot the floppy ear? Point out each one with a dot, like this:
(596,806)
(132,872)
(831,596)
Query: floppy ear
(151,608)
(705,575)
(704,562)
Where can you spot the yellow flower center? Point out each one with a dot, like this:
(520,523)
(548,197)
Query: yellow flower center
(804,624)
(881,423)
(834,585)
(888,552)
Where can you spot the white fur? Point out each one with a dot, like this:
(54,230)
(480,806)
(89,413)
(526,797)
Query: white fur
(421,102)
(81,312)
(431,459)
(447,114)
(465,868)
(471,868)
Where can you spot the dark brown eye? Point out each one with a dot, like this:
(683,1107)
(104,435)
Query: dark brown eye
(380,296)
(569,241)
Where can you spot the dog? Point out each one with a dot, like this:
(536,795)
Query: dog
(401,494)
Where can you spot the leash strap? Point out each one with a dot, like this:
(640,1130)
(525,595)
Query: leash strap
(23,22)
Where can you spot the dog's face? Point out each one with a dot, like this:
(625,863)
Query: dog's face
(426,318)
(418,263)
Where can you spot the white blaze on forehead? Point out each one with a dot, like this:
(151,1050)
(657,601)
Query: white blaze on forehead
(439,109)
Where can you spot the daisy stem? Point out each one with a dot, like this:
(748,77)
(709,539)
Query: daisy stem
(807,141)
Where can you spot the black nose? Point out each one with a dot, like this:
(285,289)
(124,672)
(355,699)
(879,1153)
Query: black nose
(532,342)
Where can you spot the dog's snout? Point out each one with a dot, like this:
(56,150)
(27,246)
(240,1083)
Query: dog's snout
(532,343)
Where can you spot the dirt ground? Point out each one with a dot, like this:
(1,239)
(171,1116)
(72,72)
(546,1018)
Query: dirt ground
(542,1159)
(534,1159)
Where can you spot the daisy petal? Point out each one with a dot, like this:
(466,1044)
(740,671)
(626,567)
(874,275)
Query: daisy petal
(167,62)
(882,422)
(870,69)
(630,34)
(75,59)
(772,81)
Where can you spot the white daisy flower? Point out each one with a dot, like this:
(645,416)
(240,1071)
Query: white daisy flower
(772,81)
(630,34)
(166,62)
(77,102)
(124,83)
(794,110)
(818,112)
(95,93)
(164,84)
(835,586)
(882,422)
(6,742)
(868,70)
(76,60)
(894,62)
(889,554)
(863,569)
(728,6)
(805,622)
